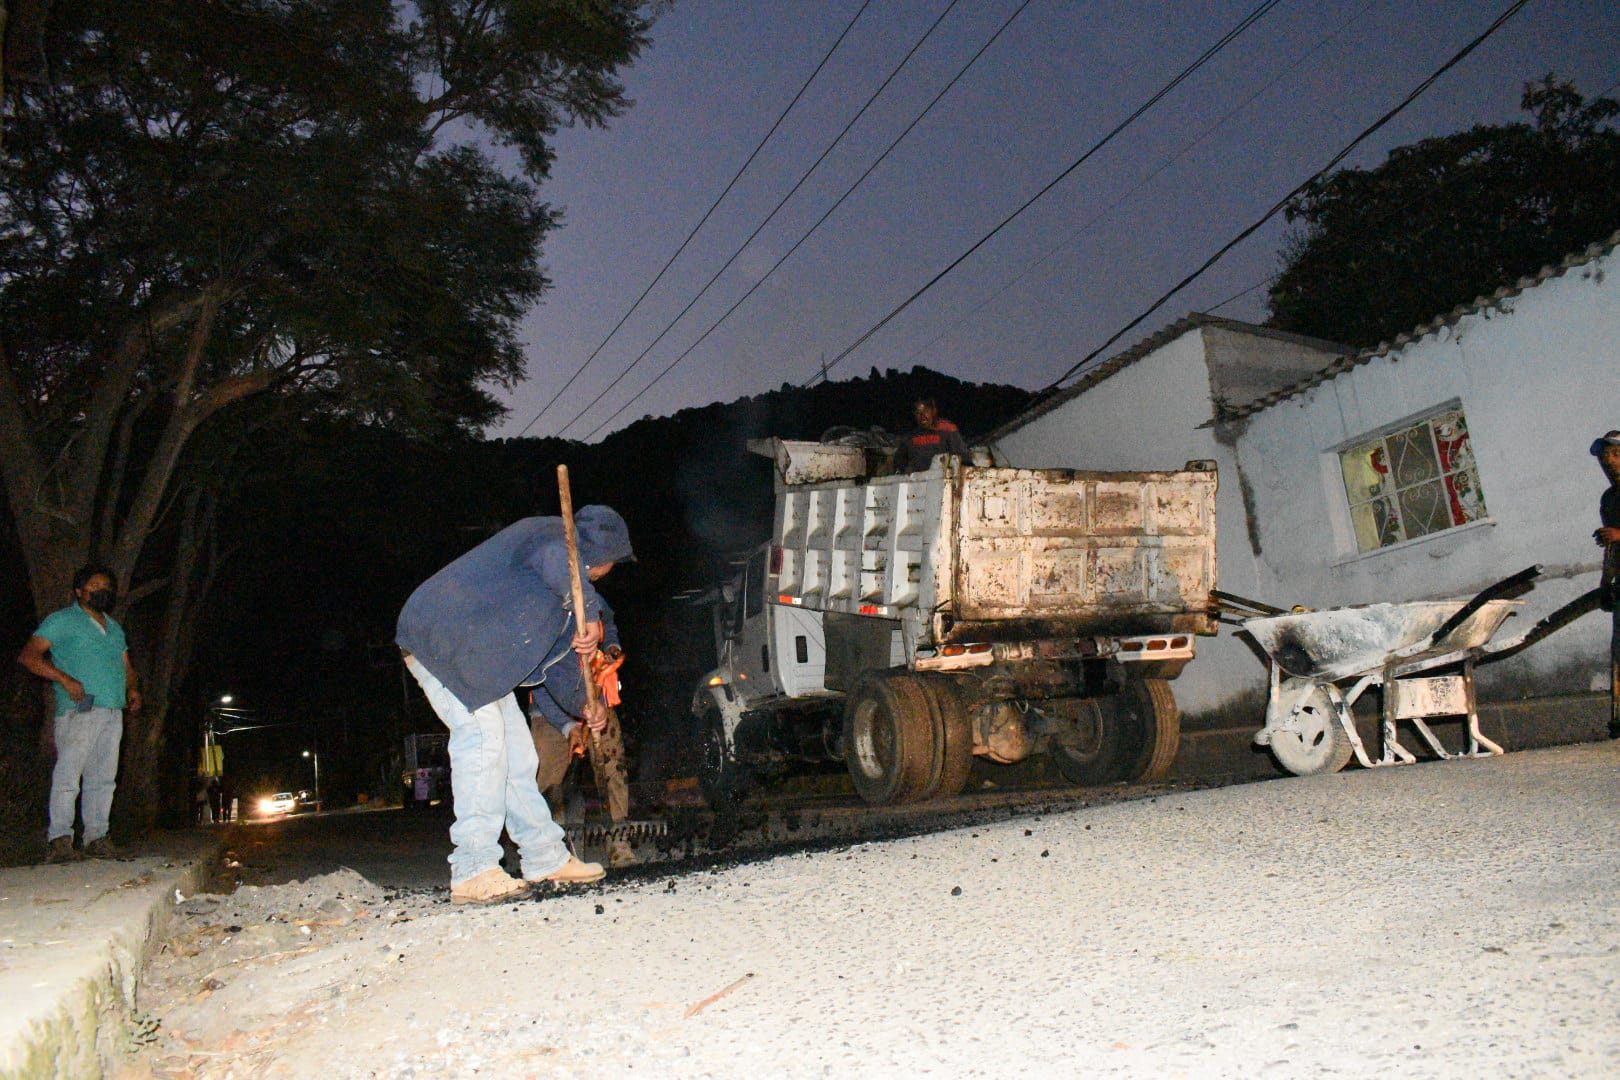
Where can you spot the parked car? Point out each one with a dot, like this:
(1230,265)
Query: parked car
(283,802)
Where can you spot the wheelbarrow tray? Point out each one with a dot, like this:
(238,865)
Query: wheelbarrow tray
(1338,643)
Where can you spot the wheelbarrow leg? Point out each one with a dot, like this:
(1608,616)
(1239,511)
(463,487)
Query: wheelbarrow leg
(1475,739)
(1343,702)
(1394,752)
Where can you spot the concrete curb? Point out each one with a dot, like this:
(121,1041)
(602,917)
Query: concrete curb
(73,941)
(1516,725)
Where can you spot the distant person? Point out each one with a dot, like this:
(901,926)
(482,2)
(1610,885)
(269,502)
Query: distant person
(558,719)
(471,633)
(82,650)
(934,436)
(1607,450)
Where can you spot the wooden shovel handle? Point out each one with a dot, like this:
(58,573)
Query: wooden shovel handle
(576,578)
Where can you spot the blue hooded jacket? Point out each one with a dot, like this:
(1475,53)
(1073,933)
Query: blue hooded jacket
(487,620)
(557,689)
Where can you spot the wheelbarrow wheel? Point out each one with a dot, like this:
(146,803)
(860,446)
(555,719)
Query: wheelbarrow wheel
(1312,740)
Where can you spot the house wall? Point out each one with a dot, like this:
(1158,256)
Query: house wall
(1150,415)
(1537,380)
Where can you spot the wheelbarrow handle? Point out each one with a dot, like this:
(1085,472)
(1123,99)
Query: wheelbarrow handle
(1241,604)
(1489,593)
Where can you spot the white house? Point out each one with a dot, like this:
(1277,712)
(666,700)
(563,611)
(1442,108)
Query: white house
(1427,467)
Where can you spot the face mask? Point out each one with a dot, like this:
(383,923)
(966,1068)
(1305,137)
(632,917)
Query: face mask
(100,599)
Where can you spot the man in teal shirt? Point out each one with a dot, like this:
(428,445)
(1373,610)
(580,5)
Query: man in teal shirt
(82,650)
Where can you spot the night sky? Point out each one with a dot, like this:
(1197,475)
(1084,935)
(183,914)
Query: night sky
(1266,112)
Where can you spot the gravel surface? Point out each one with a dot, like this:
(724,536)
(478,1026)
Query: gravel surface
(1444,920)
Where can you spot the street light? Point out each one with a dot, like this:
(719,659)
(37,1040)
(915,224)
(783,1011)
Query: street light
(315,759)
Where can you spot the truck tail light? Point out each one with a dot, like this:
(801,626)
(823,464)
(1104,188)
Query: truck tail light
(963,650)
(776,559)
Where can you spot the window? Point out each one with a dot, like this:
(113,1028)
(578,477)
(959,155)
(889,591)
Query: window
(1413,481)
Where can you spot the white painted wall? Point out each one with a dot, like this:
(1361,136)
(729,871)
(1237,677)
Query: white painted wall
(1538,380)
(1148,416)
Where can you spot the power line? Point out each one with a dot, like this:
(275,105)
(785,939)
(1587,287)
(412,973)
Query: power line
(1253,17)
(1467,170)
(1456,59)
(768,219)
(819,221)
(1144,182)
(701,222)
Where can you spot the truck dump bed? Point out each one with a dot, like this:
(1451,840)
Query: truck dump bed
(968,553)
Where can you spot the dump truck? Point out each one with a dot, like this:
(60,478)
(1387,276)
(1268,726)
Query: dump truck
(910,624)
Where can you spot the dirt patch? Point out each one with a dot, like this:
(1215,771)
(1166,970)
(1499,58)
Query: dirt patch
(248,968)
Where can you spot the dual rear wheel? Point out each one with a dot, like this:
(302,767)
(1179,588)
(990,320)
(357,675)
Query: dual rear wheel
(908,739)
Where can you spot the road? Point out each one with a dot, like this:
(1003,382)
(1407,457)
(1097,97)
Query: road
(405,851)
(1455,919)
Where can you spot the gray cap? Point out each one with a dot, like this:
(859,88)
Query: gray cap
(1602,442)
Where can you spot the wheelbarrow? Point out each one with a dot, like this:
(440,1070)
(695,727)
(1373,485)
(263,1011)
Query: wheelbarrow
(1321,662)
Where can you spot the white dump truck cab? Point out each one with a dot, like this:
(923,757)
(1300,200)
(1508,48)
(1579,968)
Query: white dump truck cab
(909,624)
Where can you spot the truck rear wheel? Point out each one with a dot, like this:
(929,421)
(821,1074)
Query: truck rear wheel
(1152,712)
(889,739)
(953,734)
(1132,735)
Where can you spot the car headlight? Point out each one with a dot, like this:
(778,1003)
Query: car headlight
(266,805)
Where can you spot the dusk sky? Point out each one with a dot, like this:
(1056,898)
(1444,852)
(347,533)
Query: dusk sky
(1091,255)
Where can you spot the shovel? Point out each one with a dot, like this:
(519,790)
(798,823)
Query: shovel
(577,581)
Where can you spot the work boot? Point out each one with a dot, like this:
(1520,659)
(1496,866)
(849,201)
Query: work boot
(574,872)
(491,887)
(61,850)
(102,848)
(621,854)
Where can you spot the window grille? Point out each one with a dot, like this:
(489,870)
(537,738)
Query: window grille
(1412,482)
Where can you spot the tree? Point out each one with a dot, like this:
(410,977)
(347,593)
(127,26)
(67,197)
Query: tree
(1451,218)
(208,203)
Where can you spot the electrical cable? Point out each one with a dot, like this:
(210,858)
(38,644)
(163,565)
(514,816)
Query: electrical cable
(1253,17)
(1381,216)
(1456,59)
(819,221)
(701,222)
(768,219)
(1249,20)
(1143,183)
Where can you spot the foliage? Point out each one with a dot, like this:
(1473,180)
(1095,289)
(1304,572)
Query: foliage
(208,203)
(1448,219)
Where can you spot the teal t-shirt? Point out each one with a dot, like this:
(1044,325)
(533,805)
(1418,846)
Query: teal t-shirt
(80,647)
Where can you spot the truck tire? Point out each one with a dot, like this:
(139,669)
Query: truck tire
(720,775)
(1132,735)
(953,734)
(1089,754)
(889,739)
(1153,714)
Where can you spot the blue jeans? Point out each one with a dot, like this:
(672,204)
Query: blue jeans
(87,756)
(492,768)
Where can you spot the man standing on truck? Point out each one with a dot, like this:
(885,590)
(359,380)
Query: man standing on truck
(1607,450)
(557,705)
(934,436)
(470,634)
